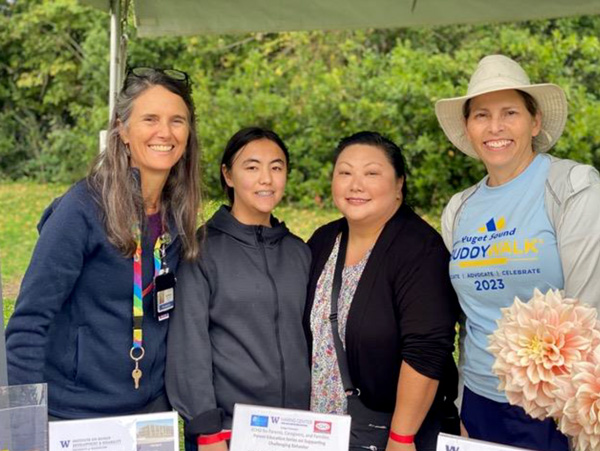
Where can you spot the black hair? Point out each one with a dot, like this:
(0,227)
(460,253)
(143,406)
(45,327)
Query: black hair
(241,139)
(392,151)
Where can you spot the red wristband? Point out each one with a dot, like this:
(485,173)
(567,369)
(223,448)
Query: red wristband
(406,439)
(213,438)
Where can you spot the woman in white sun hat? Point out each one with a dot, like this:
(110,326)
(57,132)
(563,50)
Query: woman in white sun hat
(531,222)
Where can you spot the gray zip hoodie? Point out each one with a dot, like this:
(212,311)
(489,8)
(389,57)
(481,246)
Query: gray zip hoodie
(236,335)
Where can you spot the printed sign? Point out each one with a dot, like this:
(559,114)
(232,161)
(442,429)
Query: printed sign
(150,432)
(270,429)
(448,442)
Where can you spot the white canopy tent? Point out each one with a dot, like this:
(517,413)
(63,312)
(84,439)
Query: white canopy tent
(190,17)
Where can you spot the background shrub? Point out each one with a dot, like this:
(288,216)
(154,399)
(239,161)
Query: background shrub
(311,87)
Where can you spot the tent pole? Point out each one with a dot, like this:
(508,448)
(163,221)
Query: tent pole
(115,54)
(118,56)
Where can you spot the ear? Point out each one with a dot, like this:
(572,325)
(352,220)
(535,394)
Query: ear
(226,176)
(399,185)
(537,124)
(123,133)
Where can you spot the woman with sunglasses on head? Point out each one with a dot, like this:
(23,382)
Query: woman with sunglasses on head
(92,315)
(531,222)
(237,336)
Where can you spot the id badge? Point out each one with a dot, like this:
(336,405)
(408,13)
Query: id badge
(164,294)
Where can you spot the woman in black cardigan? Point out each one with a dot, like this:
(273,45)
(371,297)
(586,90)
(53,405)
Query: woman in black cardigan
(396,308)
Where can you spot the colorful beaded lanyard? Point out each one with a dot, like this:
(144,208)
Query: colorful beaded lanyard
(137,350)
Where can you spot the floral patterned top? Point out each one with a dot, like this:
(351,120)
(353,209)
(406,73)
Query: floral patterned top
(327,391)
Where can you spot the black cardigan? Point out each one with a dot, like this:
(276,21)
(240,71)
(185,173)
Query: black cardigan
(404,308)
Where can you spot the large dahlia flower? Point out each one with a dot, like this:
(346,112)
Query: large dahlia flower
(578,396)
(538,341)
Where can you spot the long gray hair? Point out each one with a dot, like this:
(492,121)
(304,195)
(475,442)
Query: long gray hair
(118,186)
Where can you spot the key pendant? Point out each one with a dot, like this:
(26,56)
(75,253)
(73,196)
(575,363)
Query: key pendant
(136,374)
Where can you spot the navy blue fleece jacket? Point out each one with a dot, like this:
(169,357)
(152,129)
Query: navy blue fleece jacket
(72,325)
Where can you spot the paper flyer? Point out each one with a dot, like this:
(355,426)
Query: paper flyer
(258,428)
(447,442)
(148,432)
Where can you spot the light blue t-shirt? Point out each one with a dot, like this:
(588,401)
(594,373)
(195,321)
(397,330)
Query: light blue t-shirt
(504,246)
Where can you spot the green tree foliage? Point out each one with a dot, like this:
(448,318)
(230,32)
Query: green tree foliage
(50,90)
(312,88)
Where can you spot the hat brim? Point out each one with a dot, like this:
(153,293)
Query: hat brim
(551,101)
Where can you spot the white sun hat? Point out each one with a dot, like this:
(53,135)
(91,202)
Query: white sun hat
(497,73)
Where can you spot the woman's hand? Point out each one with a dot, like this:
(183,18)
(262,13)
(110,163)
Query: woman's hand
(414,397)
(463,430)
(396,446)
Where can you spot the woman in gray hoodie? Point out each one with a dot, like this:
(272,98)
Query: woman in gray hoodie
(237,334)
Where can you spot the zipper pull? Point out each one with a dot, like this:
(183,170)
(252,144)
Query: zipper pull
(259,234)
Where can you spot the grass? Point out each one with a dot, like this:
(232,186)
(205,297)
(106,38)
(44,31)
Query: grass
(21,205)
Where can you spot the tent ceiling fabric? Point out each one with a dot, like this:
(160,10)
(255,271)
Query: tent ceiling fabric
(189,17)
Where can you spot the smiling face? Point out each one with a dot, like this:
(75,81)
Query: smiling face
(365,187)
(501,130)
(257,175)
(157,131)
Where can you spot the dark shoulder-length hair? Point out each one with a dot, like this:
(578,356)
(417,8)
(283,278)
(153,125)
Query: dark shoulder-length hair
(118,186)
(241,139)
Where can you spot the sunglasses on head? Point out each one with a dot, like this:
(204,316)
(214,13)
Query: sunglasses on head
(144,72)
